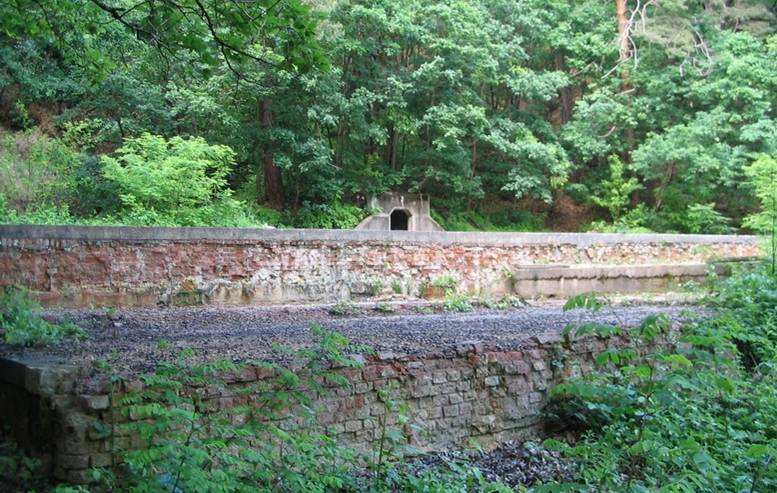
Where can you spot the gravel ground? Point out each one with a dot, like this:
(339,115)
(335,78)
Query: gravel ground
(245,333)
(512,463)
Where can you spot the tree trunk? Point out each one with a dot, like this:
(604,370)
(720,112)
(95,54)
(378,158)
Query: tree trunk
(392,148)
(624,51)
(565,93)
(273,185)
(624,48)
(474,157)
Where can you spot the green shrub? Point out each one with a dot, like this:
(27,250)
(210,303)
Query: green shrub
(384,308)
(19,472)
(23,326)
(505,303)
(637,220)
(176,182)
(36,171)
(447,283)
(457,303)
(502,219)
(614,194)
(762,174)
(328,216)
(703,218)
(748,301)
(344,308)
(42,213)
(688,417)
(376,287)
(763,178)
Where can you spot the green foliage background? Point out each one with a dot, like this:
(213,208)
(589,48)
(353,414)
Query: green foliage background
(512,115)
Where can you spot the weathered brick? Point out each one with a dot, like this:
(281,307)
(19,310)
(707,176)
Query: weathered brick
(353,425)
(450,411)
(100,460)
(439,377)
(492,381)
(455,398)
(68,461)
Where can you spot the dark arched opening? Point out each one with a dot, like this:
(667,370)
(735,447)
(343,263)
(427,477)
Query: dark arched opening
(399,219)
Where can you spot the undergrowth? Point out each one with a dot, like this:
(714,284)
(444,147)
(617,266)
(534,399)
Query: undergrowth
(271,440)
(697,415)
(22,324)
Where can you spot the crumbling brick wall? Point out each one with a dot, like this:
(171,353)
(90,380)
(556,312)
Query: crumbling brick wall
(82,266)
(457,397)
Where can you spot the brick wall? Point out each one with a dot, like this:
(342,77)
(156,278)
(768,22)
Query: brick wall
(82,266)
(456,397)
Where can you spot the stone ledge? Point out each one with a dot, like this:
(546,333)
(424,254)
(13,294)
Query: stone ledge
(638,271)
(130,234)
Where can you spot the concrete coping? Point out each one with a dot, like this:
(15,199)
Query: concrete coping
(606,271)
(130,234)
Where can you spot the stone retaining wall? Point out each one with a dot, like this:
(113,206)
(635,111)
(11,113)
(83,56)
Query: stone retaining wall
(100,266)
(459,397)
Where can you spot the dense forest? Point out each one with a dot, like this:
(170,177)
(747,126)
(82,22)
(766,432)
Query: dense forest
(510,114)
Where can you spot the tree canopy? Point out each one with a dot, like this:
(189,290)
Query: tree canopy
(511,114)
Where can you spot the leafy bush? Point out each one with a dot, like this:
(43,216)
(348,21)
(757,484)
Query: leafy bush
(328,216)
(344,308)
(703,218)
(384,308)
(457,303)
(504,303)
(614,194)
(36,171)
(23,326)
(19,472)
(763,177)
(504,218)
(748,303)
(176,182)
(447,283)
(42,213)
(637,220)
(683,418)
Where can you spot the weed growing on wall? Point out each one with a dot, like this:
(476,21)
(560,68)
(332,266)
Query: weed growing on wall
(192,432)
(344,308)
(180,435)
(505,303)
(22,324)
(447,283)
(455,302)
(384,308)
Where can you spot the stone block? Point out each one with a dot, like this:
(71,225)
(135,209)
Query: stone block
(68,461)
(353,425)
(455,398)
(492,381)
(95,402)
(517,368)
(450,411)
(100,460)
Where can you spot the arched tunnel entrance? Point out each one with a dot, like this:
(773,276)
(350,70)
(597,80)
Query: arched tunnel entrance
(399,220)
